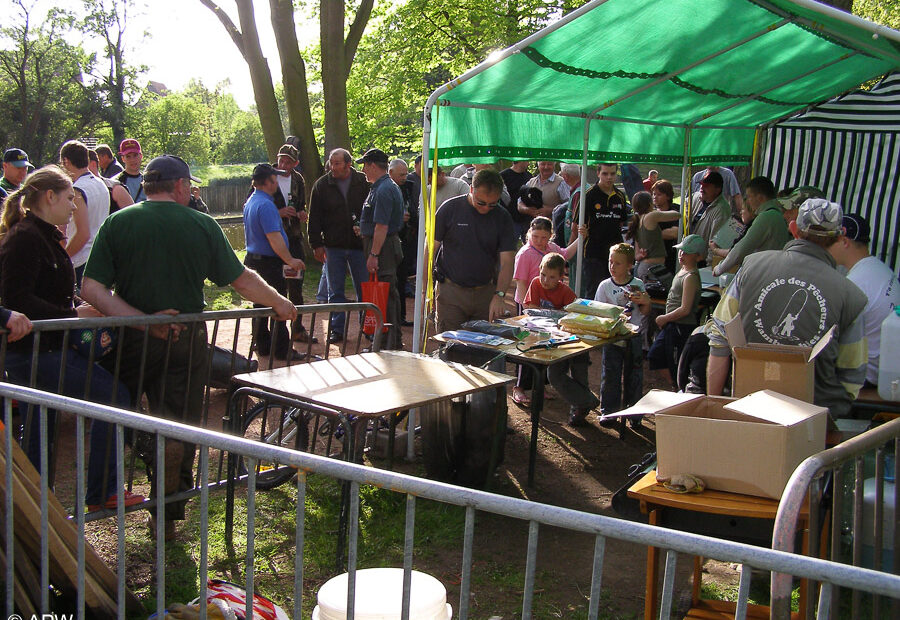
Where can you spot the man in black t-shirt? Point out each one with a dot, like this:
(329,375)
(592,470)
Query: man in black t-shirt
(515,177)
(473,236)
(606,211)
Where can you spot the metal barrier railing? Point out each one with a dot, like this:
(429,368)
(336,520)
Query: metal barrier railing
(830,574)
(213,323)
(823,475)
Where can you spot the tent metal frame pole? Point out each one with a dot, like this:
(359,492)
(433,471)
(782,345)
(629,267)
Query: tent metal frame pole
(770,89)
(685,184)
(579,257)
(848,18)
(690,66)
(419,314)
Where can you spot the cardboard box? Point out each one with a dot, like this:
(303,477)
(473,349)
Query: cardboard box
(788,370)
(749,445)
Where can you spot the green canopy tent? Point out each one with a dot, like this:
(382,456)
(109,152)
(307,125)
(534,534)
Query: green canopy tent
(656,81)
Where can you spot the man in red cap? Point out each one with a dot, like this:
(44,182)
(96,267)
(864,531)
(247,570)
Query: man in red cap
(132,156)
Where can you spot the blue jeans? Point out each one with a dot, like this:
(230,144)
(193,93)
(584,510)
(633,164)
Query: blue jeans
(322,291)
(336,264)
(570,379)
(102,389)
(622,366)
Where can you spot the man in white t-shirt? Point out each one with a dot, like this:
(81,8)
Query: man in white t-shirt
(91,204)
(447,187)
(875,279)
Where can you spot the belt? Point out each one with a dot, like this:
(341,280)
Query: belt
(253,256)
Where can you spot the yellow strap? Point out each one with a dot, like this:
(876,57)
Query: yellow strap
(430,210)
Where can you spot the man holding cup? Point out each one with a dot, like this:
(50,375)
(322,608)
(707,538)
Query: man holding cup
(268,254)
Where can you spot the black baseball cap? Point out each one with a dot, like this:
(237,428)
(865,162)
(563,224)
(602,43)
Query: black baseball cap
(261,172)
(373,156)
(16,157)
(856,228)
(168,168)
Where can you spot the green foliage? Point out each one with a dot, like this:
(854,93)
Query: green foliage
(176,124)
(879,11)
(45,99)
(419,45)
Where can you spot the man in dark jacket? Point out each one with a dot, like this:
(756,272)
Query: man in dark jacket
(334,208)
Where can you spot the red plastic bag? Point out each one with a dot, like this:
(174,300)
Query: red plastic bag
(375,292)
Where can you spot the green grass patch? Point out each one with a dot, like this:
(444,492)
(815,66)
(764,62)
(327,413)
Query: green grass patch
(214,172)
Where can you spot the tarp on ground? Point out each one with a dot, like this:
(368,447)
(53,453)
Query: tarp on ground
(850,148)
(646,70)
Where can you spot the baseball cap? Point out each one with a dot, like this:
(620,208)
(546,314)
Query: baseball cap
(692,244)
(712,177)
(16,157)
(856,228)
(827,216)
(290,150)
(129,145)
(799,196)
(168,168)
(373,156)
(264,171)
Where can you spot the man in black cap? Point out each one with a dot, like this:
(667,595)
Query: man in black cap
(291,202)
(709,208)
(15,167)
(380,222)
(156,255)
(873,277)
(268,253)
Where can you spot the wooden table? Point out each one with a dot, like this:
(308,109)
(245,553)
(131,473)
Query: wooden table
(654,498)
(538,360)
(370,385)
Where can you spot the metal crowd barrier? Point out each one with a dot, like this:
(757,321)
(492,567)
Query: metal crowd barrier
(826,481)
(830,574)
(214,322)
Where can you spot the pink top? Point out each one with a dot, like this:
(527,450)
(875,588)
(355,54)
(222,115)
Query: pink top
(528,263)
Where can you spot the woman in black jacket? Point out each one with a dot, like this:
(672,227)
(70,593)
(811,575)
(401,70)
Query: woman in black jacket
(38,280)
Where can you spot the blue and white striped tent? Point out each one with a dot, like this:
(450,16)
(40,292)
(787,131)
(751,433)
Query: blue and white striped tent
(849,147)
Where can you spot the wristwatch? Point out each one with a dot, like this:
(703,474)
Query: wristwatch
(500,294)
(373,254)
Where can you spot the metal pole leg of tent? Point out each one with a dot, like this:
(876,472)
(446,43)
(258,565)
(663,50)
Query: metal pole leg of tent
(579,257)
(685,185)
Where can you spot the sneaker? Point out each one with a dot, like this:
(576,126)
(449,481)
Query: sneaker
(129,499)
(303,336)
(578,416)
(295,356)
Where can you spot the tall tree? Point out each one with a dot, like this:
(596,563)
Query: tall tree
(296,91)
(337,60)
(178,124)
(45,99)
(247,41)
(107,20)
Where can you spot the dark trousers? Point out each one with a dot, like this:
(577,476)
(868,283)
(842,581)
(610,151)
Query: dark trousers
(388,260)
(594,272)
(570,379)
(667,347)
(101,389)
(622,372)
(295,285)
(174,389)
(271,336)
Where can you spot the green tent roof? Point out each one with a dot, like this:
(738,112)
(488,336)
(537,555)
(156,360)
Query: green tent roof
(645,71)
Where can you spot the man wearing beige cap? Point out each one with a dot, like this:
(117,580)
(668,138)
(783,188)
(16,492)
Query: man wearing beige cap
(794,296)
(132,156)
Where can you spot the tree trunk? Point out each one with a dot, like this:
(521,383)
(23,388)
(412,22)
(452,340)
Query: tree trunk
(261,78)
(334,74)
(293,75)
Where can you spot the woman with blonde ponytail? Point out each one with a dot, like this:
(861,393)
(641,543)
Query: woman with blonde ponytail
(38,280)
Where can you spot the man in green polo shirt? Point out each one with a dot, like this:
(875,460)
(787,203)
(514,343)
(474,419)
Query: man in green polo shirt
(156,255)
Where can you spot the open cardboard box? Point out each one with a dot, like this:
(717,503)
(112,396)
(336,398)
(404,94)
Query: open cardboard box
(786,369)
(749,445)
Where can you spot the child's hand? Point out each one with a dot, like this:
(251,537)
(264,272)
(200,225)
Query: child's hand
(583,232)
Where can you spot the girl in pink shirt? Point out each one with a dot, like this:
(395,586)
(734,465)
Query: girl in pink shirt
(538,245)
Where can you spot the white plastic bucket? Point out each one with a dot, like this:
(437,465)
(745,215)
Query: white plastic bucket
(379,596)
(889,363)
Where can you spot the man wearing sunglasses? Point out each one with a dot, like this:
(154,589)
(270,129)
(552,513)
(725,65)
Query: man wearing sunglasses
(475,246)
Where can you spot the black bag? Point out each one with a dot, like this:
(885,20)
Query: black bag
(658,281)
(221,368)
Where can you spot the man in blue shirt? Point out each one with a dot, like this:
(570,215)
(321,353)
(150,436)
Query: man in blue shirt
(268,254)
(380,220)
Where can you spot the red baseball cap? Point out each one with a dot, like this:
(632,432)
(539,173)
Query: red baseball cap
(129,145)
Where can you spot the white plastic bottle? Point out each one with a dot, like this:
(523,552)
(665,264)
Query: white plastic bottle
(889,364)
